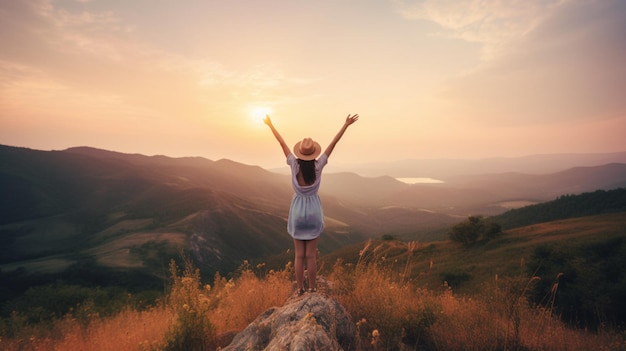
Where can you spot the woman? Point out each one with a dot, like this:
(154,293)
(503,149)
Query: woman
(306,219)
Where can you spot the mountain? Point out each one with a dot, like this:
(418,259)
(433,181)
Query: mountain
(486,194)
(445,168)
(130,211)
(126,211)
(116,208)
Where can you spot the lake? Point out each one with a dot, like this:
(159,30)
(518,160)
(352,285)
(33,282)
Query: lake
(420,180)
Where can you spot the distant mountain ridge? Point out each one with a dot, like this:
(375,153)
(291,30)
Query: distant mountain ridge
(130,211)
(445,168)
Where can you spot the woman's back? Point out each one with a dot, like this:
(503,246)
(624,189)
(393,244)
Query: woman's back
(306,189)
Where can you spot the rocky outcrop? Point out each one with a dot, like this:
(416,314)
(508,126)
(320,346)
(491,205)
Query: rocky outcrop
(308,322)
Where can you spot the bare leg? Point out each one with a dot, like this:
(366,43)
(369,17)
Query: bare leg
(311,262)
(299,262)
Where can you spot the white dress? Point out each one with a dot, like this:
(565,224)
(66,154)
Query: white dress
(306,219)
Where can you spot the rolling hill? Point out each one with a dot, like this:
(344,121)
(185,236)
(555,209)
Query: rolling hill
(584,255)
(90,203)
(130,211)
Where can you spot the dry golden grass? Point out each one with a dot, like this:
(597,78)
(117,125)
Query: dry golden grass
(467,324)
(386,307)
(241,302)
(129,330)
(228,305)
(393,314)
(390,313)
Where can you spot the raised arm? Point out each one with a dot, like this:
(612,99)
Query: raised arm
(349,121)
(282,143)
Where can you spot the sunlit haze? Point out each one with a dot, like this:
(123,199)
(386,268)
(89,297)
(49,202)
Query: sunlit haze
(429,79)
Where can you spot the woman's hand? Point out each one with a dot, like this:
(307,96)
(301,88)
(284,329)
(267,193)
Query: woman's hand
(351,119)
(282,143)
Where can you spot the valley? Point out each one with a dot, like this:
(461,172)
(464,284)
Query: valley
(136,212)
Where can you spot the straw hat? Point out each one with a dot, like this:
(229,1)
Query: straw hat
(307,149)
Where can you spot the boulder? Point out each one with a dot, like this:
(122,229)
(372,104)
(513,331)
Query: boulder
(309,322)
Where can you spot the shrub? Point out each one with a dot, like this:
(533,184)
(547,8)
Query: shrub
(192,329)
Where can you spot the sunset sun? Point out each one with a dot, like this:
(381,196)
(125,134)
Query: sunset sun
(257,113)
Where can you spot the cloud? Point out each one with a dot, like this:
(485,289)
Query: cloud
(492,23)
(544,62)
(39,22)
(96,52)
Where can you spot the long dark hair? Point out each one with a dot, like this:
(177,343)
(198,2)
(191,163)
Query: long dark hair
(307,168)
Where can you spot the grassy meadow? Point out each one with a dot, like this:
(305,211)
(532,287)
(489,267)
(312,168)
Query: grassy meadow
(401,295)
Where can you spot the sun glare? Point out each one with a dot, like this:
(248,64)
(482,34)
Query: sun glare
(257,113)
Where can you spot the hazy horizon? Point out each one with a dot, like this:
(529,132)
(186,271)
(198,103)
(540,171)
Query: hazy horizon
(430,79)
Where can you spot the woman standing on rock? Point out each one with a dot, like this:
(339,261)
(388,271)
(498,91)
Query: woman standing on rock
(306,219)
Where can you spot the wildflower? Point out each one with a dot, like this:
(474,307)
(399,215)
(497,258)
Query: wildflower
(375,337)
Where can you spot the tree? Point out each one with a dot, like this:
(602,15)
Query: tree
(475,228)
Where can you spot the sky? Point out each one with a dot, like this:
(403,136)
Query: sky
(429,79)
